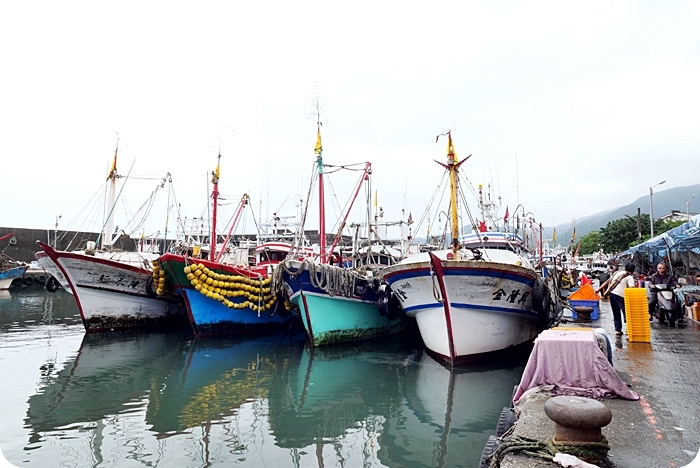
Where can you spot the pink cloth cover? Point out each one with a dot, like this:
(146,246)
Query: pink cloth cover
(572,361)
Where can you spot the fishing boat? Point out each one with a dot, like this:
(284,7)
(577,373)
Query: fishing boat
(279,239)
(478,297)
(222,293)
(113,288)
(336,304)
(10,269)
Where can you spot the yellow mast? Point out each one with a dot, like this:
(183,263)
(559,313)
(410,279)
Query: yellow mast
(453,166)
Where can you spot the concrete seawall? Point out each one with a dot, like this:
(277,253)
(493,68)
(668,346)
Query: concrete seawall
(26,246)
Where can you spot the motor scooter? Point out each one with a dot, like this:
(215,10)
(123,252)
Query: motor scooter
(667,304)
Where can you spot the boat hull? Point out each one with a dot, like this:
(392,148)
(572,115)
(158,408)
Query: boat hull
(466,310)
(114,296)
(9,275)
(209,316)
(335,318)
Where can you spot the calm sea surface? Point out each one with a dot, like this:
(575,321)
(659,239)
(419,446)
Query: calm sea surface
(169,400)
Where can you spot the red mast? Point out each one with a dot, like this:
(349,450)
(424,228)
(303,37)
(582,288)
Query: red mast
(321,200)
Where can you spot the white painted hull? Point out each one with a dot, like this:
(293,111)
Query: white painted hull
(479,308)
(113,295)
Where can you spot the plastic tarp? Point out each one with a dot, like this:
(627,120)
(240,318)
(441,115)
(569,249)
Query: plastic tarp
(685,237)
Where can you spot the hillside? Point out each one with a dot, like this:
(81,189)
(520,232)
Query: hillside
(664,202)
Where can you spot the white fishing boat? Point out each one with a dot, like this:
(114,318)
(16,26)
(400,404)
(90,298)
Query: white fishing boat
(113,288)
(479,297)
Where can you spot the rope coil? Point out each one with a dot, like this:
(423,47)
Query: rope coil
(334,280)
(547,449)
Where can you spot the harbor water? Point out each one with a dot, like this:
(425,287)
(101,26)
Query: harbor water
(166,399)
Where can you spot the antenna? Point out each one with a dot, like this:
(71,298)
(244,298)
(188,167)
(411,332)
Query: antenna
(517,180)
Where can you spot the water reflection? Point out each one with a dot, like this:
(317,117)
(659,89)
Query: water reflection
(390,405)
(219,375)
(33,307)
(112,373)
(171,400)
(447,416)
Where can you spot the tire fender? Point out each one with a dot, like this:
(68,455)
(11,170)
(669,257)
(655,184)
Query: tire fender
(51,284)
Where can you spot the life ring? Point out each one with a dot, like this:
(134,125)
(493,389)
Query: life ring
(150,290)
(27,280)
(51,284)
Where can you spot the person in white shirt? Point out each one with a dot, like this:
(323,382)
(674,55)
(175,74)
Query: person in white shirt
(615,286)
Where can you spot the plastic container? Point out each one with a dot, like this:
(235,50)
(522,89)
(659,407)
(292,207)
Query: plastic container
(584,293)
(594,304)
(637,312)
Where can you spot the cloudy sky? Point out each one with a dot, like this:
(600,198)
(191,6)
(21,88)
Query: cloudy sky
(568,108)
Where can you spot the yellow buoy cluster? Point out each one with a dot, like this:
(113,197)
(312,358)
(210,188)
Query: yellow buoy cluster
(256,291)
(159,282)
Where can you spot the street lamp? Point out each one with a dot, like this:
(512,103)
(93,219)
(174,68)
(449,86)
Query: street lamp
(651,206)
(55,231)
(687,206)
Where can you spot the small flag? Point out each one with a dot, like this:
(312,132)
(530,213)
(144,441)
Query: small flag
(573,236)
(318,148)
(554,236)
(410,218)
(113,166)
(505,216)
(217,172)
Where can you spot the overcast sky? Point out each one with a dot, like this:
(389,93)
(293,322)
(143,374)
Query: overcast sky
(568,108)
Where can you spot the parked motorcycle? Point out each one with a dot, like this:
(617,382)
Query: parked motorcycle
(667,304)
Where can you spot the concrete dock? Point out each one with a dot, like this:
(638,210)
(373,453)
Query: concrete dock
(662,428)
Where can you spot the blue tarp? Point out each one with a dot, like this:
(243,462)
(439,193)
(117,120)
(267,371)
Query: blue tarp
(684,238)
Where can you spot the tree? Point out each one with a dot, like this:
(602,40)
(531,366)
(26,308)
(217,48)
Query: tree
(621,234)
(618,235)
(666,226)
(591,243)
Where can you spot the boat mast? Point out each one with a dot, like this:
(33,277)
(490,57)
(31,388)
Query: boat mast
(215,197)
(321,201)
(453,166)
(451,162)
(111,196)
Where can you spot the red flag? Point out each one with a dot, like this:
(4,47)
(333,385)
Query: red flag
(482,226)
(505,216)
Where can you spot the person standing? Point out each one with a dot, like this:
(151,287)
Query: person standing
(615,286)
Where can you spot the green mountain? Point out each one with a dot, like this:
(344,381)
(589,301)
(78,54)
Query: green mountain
(665,201)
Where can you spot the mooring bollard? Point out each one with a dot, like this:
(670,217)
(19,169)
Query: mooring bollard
(578,422)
